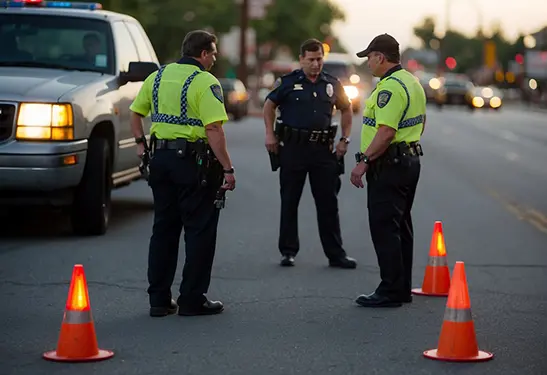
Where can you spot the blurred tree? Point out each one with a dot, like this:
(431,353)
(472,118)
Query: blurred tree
(468,52)
(289,23)
(426,31)
(167,21)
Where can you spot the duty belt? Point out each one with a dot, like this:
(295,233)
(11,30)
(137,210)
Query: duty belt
(173,144)
(399,151)
(288,134)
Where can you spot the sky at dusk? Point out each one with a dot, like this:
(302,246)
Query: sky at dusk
(366,18)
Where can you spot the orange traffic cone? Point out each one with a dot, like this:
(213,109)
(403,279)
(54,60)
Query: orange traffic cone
(77,340)
(437,275)
(457,342)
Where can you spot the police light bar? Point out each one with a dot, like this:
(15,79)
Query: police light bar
(49,4)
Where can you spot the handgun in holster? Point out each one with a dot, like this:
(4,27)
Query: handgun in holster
(202,160)
(220,199)
(145,160)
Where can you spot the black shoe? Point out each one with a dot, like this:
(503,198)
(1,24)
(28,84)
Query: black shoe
(287,261)
(207,308)
(376,300)
(407,299)
(345,262)
(159,311)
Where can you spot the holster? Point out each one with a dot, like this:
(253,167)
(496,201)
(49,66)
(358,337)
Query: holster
(396,154)
(209,168)
(145,160)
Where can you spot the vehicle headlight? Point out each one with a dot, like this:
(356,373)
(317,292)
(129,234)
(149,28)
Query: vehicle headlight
(495,102)
(45,122)
(351,92)
(478,102)
(435,83)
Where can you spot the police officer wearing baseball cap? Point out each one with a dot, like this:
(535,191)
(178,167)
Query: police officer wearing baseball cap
(393,122)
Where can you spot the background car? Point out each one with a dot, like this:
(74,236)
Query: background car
(430,84)
(341,66)
(454,90)
(236,97)
(485,97)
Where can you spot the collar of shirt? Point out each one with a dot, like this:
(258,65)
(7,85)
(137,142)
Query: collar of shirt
(302,76)
(391,71)
(190,61)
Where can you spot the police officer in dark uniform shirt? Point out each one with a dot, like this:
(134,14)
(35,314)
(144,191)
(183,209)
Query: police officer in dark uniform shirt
(303,140)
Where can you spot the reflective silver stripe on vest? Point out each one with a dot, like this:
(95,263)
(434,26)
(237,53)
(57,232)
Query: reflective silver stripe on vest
(403,124)
(183,119)
(437,261)
(457,315)
(77,317)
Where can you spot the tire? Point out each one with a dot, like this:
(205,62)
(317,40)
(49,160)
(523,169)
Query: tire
(92,202)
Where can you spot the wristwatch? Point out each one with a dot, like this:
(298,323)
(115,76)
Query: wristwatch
(345,139)
(229,171)
(139,140)
(362,158)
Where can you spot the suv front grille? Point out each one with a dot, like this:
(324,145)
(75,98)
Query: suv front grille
(7,117)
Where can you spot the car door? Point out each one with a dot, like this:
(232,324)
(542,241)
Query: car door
(126,52)
(146,54)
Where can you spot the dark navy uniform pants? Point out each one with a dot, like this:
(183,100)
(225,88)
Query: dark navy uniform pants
(297,161)
(179,202)
(391,190)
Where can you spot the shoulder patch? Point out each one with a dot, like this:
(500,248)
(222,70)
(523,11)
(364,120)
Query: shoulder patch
(217,92)
(277,83)
(383,98)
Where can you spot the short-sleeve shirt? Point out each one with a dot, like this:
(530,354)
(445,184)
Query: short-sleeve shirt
(398,101)
(196,105)
(305,104)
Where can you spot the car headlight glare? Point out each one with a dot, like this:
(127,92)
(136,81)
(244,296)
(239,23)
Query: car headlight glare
(478,102)
(351,91)
(495,102)
(43,122)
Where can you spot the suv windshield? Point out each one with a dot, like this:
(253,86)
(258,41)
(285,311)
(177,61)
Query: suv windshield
(57,42)
(340,71)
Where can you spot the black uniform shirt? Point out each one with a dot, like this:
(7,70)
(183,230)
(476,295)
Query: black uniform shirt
(308,105)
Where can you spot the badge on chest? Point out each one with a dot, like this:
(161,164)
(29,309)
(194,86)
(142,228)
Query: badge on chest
(330,90)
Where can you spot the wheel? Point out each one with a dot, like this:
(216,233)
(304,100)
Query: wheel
(92,201)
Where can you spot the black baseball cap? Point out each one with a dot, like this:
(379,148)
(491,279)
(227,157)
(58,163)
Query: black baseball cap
(384,43)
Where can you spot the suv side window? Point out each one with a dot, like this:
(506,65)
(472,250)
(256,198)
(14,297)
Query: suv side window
(126,51)
(141,43)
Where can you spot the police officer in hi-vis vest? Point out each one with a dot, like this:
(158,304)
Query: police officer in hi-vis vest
(189,167)
(393,122)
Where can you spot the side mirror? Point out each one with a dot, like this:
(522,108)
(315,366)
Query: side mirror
(138,72)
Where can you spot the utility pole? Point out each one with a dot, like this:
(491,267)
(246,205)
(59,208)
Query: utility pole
(243,26)
(443,51)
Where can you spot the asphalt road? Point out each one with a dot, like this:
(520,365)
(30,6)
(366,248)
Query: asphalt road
(484,175)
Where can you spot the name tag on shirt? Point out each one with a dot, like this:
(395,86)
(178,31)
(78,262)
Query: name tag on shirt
(298,86)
